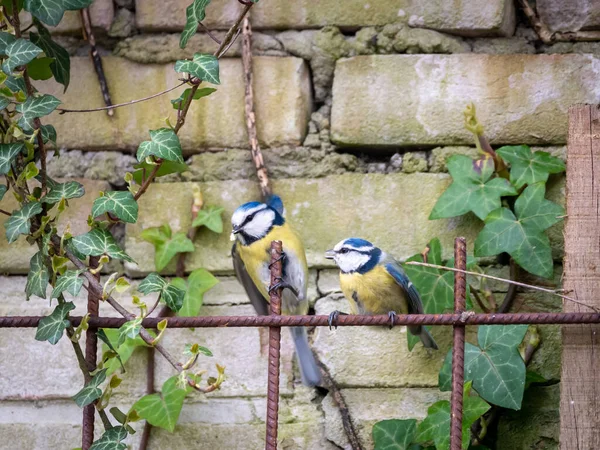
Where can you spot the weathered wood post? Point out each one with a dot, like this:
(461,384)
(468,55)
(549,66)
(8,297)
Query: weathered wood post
(580,380)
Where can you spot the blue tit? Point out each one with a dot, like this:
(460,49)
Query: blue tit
(255,225)
(375,283)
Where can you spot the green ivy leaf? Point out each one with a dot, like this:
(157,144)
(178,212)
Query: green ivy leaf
(394,434)
(166,245)
(172,295)
(6,39)
(472,189)
(3,190)
(51,328)
(15,84)
(68,190)
(19,53)
(130,329)
(8,152)
(35,107)
(166,168)
(51,11)
(19,222)
(180,101)
(152,283)
(38,277)
(120,203)
(111,439)
(204,66)
(164,144)
(123,351)
(99,242)
(436,426)
(48,133)
(194,13)
(39,68)
(210,218)
(70,282)
(61,64)
(162,410)
(522,236)
(496,367)
(4,102)
(198,283)
(528,167)
(90,391)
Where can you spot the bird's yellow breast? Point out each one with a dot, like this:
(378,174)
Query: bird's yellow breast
(257,254)
(374,292)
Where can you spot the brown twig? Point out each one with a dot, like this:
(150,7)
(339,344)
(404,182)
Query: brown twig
(5,212)
(257,157)
(549,37)
(208,33)
(475,293)
(512,289)
(88,34)
(148,181)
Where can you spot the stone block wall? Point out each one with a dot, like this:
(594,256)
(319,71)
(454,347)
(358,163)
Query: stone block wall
(358,107)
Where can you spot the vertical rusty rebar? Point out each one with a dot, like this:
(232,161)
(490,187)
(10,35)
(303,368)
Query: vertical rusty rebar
(458,349)
(276,267)
(91,350)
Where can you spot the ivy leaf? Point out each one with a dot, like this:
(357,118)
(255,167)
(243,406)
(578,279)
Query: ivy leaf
(123,351)
(15,84)
(38,277)
(152,283)
(164,144)
(198,282)
(39,68)
(35,107)
(6,39)
(120,203)
(194,13)
(204,66)
(436,426)
(70,282)
(162,410)
(111,439)
(172,295)
(51,11)
(130,329)
(8,153)
(210,218)
(528,167)
(51,328)
(98,242)
(18,223)
(496,367)
(68,190)
(471,189)
(522,236)
(61,64)
(203,92)
(166,245)
(166,168)
(19,52)
(90,391)
(3,190)
(394,434)
(48,133)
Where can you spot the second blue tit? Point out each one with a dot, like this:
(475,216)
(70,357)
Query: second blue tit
(255,225)
(375,283)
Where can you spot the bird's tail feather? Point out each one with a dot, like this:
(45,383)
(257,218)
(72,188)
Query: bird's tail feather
(426,338)
(311,375)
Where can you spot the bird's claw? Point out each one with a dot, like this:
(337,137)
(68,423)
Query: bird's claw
(333,317)
(392,316)
(282,285)
(281,258)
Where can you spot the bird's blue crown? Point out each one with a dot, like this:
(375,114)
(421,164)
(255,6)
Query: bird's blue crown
(358,243)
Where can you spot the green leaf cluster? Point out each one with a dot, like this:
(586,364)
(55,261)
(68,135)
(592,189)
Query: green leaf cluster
(194,14)
(162,410)
(203,66)
(172,295)
(91,391)
(166,244)
(52,327)
(99,242)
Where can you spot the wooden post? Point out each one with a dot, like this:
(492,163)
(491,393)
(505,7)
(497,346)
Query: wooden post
(580,380)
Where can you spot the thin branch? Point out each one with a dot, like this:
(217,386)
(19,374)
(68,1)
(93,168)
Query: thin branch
(475,294)
(512,289)
(144,186)
(517,283)
(88,33)
(119,105)
(5,212)
(207,31)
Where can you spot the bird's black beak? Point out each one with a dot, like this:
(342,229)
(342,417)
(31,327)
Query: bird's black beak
(330,254)
(236,230)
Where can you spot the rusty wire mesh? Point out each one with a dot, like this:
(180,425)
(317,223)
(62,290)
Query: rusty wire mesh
(458,320)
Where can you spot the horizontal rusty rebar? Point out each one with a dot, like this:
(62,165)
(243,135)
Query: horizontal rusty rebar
(321,321)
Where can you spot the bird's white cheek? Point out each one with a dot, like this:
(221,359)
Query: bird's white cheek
(232,237)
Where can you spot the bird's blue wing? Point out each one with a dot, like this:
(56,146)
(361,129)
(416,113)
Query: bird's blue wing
(275,202)
(256,298)
(415,305)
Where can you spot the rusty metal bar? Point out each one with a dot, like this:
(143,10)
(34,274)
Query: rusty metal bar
(467,318)
(458,348)
(276,267)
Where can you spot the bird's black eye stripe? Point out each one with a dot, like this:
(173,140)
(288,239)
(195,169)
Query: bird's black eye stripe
(344,250)
(247,219)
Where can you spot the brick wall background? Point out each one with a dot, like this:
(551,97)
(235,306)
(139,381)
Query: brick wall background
(357,112)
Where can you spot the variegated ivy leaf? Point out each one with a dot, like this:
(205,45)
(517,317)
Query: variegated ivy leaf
(19,222)
(8,152)
(203,66)
(51,328)
(194,13)
(90,391)
(111,439)
(172,295)
(70,282)
(3,190)
(51,11)
(20,52)
(35,107)
(61,64)
(162,410)
(68,190)
(99,242)
(164,144)
(6,39)
(129,330)
(394,434)
(38,277)
(119,203)
(48,133)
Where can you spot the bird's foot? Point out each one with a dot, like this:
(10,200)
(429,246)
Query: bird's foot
(282,285)
(392,315)
(281,258)
(333,318)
